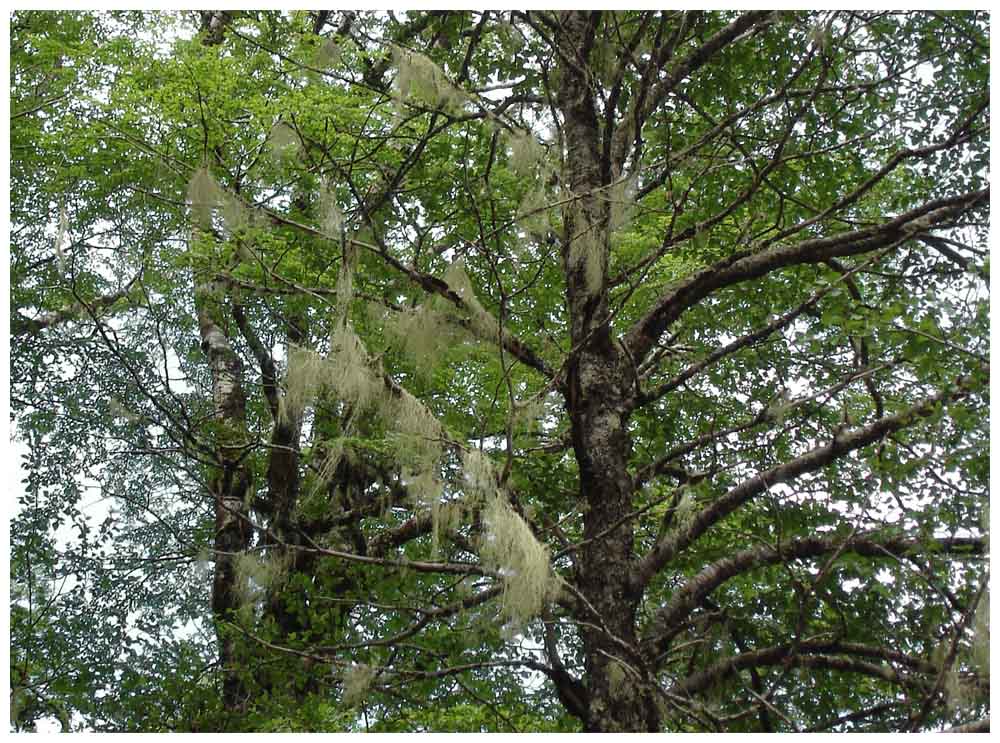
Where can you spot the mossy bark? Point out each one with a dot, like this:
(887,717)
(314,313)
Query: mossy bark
(599,384)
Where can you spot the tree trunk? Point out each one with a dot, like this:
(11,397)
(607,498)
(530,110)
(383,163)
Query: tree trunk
(600,382)
(229,484)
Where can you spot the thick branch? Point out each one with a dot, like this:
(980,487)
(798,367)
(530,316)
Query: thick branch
(812,654)
(811,461)
(669,620)
(745,265)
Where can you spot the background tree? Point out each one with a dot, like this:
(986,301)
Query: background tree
(500,370)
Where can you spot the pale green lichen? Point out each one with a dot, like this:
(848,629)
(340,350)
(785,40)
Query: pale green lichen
(333,453)
(331,217)
(534,212)
(62,231)
(622,204)
(617,676)
(424,333)
(420,80)
(587,255)
(306,376)
(282,141)
(527,155)
(328,54)
(256,574)
(482,323)
(418,432)
(234,214)
(204,194)
(358,679)
(684,511)
(509,547)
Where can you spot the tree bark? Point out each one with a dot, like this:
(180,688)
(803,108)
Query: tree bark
(600,380)
(229,484)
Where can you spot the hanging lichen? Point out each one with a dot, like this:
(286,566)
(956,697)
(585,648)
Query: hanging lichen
(622,198)
(328,54)
(534,213)
(587,255)
(234,214)
(349,374)
(684,511)
(482,323)
(204,194)
(617,676)
(423,333)
(256,574)
(419,79)
(282,141)
(118,410)
(528,414)
(61,232)
(306,376)
(417,432)
(333,452)
(527,155)
(427,331)
(358,679)
(332,218)
(509,547)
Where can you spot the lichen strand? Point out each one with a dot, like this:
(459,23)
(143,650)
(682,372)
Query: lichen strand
(349,374)
(358,679)
(332,218)
(256,574)
(509,547)
(483,324)
(282,141)
(420,80)
(204,194)
(587,257)
(306,376)
(622,203)
(426,332)
(423,334)
(527,155)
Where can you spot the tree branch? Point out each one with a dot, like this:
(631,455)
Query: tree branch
(746,264)
(668,622)
(843,443)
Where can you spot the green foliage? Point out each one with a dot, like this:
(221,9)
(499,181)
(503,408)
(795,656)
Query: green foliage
(374,206)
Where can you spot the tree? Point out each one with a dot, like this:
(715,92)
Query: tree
(606,371)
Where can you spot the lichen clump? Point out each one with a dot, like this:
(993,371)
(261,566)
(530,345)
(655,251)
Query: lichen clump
(427,331)
(358,678)
(510,548)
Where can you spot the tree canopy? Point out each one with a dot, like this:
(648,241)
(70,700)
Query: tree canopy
(502,371)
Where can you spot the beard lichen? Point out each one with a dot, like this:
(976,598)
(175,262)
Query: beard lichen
(426,332)
(305,378)
(358,679)
(482,323)
(527,154)
(587,255)
(509,547)
(349,373)
(255,574)
(204,194)
(423,333)
(419,79)
(282,141)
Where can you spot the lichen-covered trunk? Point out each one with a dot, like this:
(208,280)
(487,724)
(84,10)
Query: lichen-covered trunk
(600,380)
(229,484)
